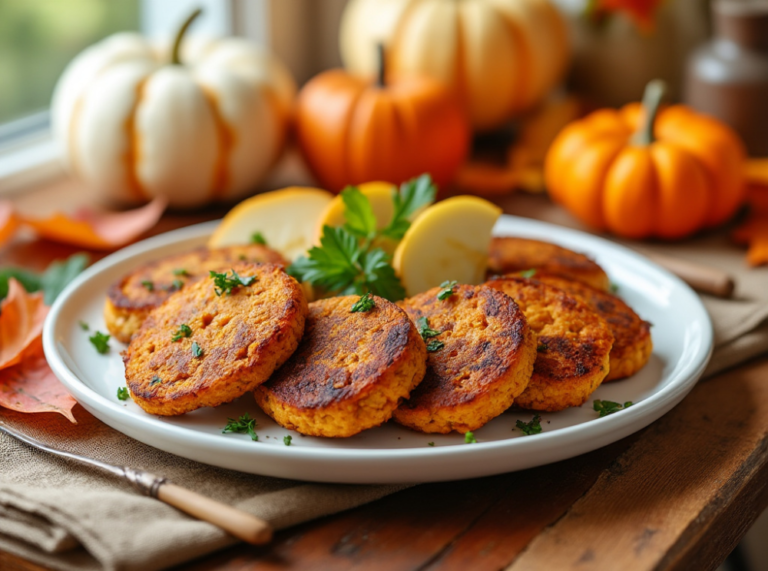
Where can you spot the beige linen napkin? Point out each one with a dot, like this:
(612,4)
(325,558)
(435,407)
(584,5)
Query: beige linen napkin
(67,517)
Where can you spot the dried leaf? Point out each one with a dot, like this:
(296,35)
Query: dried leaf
(32,387)
(8,222)
(21,323)
(99,230)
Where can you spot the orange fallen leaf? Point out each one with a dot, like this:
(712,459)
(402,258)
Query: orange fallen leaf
(21,323)
(8,222)
(98,230)
(31,386)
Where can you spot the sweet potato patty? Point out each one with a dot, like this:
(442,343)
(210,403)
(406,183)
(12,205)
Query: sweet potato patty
(632,344)
(485,362)
(574,344)
(509,255)
(206,347)
(350,371)
(130,300)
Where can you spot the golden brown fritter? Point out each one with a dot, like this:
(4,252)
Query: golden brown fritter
(130,300)
(632,344)
(200,348)
(350,371)
(574,344)
(486,362)
(509,255)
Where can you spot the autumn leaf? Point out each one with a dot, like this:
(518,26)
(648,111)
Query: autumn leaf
(21,323)
(8,222)
(32,387)
(98,230)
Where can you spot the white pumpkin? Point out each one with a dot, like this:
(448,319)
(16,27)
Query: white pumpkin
(501,57)
(134,125)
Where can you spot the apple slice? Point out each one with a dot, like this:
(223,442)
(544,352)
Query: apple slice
(449,241)
(285,218)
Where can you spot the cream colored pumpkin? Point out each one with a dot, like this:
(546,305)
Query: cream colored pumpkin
(135,126)
(500,56)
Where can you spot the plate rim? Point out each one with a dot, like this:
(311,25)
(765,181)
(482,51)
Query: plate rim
(639,416)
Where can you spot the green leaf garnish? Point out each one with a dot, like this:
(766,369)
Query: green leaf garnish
(532,427)
(606,407)
(541,347)
(122,393)
(197,351)
(150,286)
(100,341)
(447,290)
(52,281)
(243,425)
(528,273)
(364,304)
(424,330)
(181,272)
(413,195)
(83,325)
(184,330)
(430,443)
(224,283)
(176,285)
(258,238)
(155,380)
(434,345)
(287,440)
(361,221)
(614,287)
(469,438)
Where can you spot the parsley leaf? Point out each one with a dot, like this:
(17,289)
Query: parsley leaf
(614,287)
(287,440)
(197,351)
(379,275)
(424,330)
(184,330)
(434,345)
(149,285)
(447,290)
(532,427)
(258,238)
(528,273)
(413,195)
(243,425)
(469,438)
(181,272)
(122,393)
(100,341)
(83,325)
(606,407)
(225,284)
(361,221)
(541,347)
(364,304)
(430,443)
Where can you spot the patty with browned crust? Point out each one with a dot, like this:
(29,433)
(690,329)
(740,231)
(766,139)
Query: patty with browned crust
(574,344)
(484,364)
(130,300)
(215,340)
(632,343)
(349,373)
(509,255)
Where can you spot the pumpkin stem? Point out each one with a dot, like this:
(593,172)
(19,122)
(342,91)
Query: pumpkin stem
(654,93)
(176,52)
(382,69)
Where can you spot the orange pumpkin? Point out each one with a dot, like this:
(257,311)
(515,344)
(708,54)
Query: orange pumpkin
(642,172)
(351,130)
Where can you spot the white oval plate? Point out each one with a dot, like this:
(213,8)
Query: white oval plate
(682,336)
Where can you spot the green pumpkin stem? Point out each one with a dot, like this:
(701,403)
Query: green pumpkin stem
(176,52)
(381,78)
(654,93)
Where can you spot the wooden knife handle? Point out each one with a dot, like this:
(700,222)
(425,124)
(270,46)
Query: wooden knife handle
(701,278)
(235,522)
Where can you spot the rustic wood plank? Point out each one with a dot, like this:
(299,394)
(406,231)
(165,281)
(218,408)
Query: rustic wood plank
(656,506)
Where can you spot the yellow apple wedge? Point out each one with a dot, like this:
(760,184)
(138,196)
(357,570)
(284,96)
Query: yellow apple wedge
(286,218)
(449,241)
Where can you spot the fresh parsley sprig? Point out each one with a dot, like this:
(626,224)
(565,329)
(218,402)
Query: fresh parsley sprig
(413,195)
(100,341)
(363,305)
(122,393)
(447,290)
(184,330)
(243,425)
(606,407)
(532,427)
(224,283)
(258,238)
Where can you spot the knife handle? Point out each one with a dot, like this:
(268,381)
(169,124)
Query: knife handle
(232,520)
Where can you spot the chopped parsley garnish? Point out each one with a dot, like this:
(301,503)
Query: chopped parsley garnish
(469,438)
(427,333)
(83,325)
(606,407)
(287,440)
(430,443)
(197,351)
(149,285)
(243,425)
(122,393)
(184,330)
(155,380)
(447,290)
(176,285)
(364,304)
(181,272)
(100,341)
(434,345)
(528,273)
(258,238)
(528,428)
(541,347)
(224,283)
(614,287)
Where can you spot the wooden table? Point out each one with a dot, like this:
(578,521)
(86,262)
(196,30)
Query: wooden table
(678,495)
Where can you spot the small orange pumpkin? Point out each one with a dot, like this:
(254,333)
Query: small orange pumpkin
(351,130)
(642,172)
